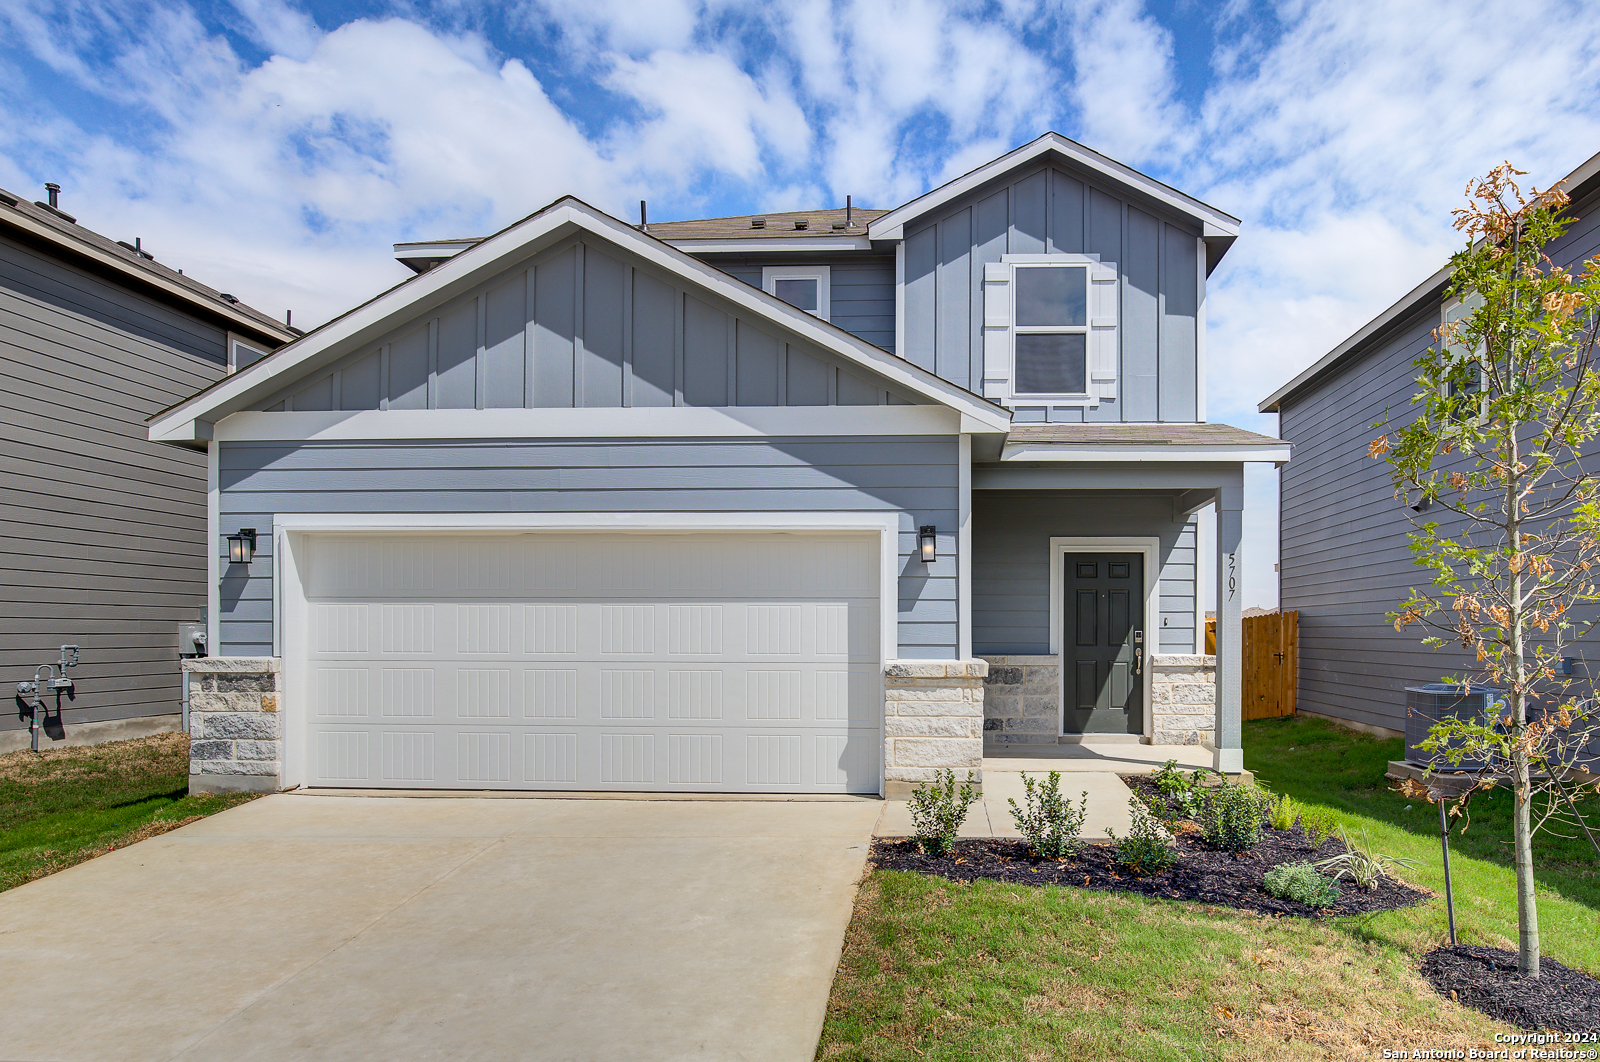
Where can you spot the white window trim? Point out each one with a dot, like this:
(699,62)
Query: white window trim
(1456,309)
(770,275)
(1100,329)
(1151,549)
(235,341)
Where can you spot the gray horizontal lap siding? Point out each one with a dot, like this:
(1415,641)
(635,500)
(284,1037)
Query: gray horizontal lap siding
(587,326)
(1345,557)
(861,289)
(914,477)
(102,539)
(1011,532)
(1049,211)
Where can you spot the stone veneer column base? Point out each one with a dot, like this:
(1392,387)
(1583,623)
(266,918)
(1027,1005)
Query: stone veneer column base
(1022,700)
(932,719)
(1184,689)
(235,730)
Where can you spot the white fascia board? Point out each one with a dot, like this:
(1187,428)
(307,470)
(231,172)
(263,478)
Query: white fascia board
(891,226)
(1587,170)
(1366,332)
(366,323)
(128,269)
(656,422)
(1025,453)
(781,245)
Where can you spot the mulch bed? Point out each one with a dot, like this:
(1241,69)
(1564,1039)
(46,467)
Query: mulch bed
(1201,874)
(1486,979)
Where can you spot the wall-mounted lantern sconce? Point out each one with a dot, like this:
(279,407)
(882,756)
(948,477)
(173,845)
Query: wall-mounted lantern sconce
(927,543)
(242,546)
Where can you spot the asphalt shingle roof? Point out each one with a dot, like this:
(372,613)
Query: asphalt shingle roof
(69,233)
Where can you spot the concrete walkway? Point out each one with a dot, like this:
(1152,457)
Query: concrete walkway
(356,928)
(1084,768)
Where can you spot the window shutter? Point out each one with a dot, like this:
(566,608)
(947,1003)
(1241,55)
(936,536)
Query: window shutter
(1102,331)
(996,330)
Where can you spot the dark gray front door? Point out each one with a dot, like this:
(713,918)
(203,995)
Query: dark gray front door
(1104,650)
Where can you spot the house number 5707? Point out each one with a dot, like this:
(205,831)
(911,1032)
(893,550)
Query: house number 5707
(1233,577)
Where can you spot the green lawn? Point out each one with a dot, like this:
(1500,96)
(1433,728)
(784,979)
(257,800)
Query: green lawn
(65,805)
(933,969)
(1319,763)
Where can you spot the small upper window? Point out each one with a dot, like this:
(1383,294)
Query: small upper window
(803,287)
(242,354)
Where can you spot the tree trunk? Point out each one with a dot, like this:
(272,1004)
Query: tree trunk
(1522,832)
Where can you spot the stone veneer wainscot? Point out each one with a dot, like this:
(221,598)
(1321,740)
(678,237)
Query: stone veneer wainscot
(1021,703)
(235,729)
(932,719)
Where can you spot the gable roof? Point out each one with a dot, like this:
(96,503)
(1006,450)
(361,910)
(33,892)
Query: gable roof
(1218,229)
(1580,183)
(60,231)
(190,420)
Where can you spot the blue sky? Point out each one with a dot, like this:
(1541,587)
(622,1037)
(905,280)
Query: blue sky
(277,149)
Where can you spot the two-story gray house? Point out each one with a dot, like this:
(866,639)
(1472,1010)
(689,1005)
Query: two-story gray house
(102,530)
(1344,558)
(740,504)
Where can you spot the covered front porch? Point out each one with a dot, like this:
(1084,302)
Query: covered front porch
(1091,545)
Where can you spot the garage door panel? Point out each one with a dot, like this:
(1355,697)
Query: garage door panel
(645,666)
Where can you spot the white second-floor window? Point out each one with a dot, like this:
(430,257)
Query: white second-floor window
(1050,329)
(803,287)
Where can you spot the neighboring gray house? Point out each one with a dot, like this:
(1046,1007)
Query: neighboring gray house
(744,504)
(101,529)
(1344,558)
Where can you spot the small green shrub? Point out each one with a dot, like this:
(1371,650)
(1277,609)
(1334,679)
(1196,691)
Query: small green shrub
(1361,864)
(1317,822)
(1301,883)
(1183,790)
(1147,849)
(1284,811)
(1230,818)
(938,809)
(1049,823)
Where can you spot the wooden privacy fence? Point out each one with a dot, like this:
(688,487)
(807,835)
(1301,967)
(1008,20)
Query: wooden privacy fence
(1271,663)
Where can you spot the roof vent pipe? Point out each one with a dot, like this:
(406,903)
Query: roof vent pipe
(847,220)
(53,193)
(644,221)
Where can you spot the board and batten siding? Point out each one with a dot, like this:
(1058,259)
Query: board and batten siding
(1011,532)
(1344,551)
(914,476)
(1047,210)
(102,536)
(861,289)
(584,326)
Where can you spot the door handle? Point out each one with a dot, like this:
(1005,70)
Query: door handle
(1138,652)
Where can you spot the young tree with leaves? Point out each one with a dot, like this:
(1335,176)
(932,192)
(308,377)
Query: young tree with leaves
(1508,401)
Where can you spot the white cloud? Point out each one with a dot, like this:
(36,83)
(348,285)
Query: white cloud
(1123,82)
(707,114)
(1342,131)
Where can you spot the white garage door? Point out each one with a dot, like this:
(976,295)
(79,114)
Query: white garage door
(692,662)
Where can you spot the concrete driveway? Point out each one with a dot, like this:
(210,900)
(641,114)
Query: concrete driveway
(354,928)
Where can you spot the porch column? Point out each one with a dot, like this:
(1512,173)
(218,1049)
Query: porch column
(1227,752)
